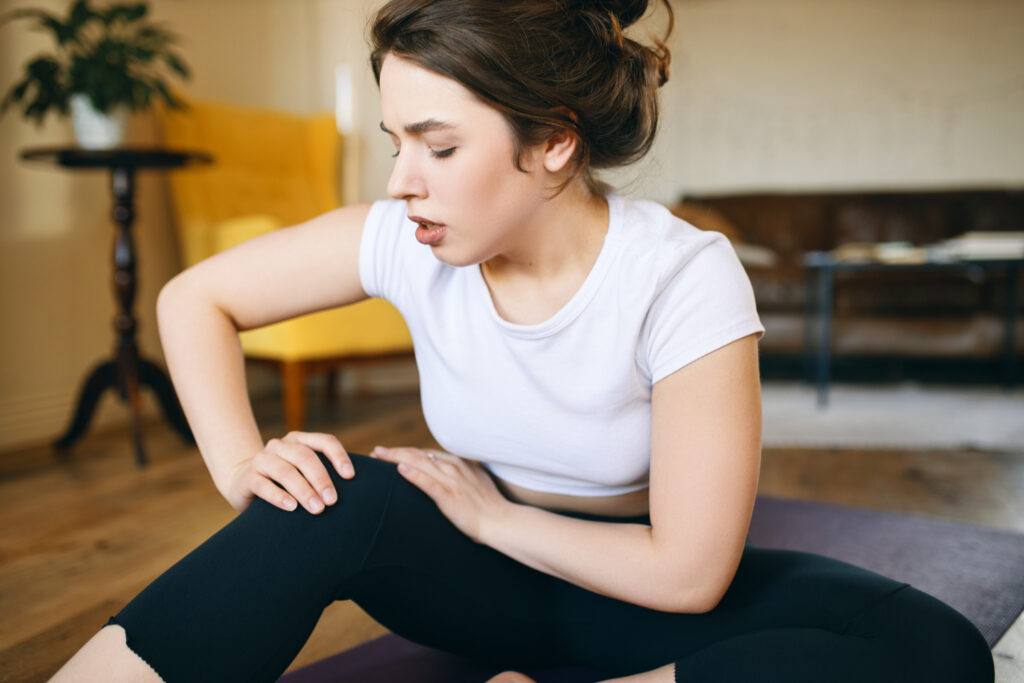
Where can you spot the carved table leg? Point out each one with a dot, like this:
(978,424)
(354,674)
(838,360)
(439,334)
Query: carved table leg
(123,184)
(103,377)
(127,372)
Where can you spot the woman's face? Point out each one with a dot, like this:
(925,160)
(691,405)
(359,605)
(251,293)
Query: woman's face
(454,165)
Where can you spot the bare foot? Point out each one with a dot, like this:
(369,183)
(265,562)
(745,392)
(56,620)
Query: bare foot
(511,677)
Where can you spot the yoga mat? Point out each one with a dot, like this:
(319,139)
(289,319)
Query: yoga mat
(975,569)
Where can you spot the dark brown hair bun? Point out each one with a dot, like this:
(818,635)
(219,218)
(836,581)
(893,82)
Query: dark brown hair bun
(546,65)
(628,12)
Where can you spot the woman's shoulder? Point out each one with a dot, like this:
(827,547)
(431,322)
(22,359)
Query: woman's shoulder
(652,236)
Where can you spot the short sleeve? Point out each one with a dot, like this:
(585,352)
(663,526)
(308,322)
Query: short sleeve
(381,251)
(701,305)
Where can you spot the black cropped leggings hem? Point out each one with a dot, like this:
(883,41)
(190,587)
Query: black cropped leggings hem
(241,605)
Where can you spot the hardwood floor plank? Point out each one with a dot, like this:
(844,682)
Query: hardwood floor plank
(38,657)
(969,486)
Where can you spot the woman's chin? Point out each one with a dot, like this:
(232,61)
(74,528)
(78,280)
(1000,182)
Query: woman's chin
(447,254)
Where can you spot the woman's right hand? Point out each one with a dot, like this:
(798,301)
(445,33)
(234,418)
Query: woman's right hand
(292,463)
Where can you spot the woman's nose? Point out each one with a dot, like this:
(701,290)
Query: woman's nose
(405,181)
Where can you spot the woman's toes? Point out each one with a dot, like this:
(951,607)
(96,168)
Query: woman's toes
(511,677)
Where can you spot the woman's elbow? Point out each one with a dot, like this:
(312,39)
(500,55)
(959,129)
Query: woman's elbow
(709,602)
(697,596)
(691,603)
(177,300)
(169,296)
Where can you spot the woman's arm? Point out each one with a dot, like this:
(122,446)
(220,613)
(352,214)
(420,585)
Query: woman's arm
(705,461)
(274,277)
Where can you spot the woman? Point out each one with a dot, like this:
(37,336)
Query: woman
(589,364)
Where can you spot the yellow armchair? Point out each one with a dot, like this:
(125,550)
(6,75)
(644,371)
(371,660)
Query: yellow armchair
(272,169)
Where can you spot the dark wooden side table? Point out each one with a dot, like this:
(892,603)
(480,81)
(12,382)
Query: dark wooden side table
(128,370)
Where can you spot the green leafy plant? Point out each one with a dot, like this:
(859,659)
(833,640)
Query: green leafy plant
(112,54)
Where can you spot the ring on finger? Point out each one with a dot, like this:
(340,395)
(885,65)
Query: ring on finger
(432,456)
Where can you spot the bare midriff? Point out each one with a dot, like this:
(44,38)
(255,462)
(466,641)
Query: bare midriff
(625,505)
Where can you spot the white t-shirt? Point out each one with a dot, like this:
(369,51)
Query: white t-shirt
(563,406)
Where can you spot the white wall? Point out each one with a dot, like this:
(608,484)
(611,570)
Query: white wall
(836,94)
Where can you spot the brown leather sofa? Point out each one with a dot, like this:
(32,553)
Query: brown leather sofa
(947,313)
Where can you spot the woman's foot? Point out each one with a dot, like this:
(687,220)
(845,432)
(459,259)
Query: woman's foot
(511,677)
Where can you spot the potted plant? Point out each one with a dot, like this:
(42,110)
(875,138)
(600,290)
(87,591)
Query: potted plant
(108,61)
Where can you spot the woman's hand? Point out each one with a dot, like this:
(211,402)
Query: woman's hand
(292,463)
(462,489)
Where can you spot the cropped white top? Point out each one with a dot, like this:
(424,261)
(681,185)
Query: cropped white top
(563,406)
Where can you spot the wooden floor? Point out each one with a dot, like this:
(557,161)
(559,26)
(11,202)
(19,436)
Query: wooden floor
(79,538)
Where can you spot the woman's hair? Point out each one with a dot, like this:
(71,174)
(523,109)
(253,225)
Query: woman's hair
(546,65)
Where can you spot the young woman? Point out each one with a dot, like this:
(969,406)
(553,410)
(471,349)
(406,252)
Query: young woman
(588,362)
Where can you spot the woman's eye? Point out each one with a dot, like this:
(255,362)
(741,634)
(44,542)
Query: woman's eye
(442,153)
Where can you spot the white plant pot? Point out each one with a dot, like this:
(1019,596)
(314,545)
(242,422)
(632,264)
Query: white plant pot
(94,129)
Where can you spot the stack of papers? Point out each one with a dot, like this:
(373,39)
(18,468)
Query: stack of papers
(880,252)
(970,246)
(981,245)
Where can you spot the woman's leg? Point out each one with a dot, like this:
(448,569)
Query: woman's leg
(106,657)
(906,636)
(789,616)
(241,605)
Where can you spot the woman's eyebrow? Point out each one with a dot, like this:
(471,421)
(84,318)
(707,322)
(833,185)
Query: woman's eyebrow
(424,126)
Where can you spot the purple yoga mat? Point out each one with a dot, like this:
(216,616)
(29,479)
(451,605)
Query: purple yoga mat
(975,569)
(391,659)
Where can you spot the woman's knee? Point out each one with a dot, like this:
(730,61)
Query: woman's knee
(266,547)
(930,639)
(347,526)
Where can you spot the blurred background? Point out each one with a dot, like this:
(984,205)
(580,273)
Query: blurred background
(871,131)
(790,95)
(776,95)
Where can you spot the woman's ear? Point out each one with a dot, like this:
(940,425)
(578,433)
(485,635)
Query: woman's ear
(559,150)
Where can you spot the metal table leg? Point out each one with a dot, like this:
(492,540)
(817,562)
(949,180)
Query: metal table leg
(1010,326)
(825,282)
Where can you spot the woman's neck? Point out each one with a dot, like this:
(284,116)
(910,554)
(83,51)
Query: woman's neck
(546,261)
(565,234)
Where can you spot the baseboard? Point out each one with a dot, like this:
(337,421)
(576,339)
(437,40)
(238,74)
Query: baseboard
(37,419)
(32,420)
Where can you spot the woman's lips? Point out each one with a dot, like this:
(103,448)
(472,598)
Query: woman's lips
(428,233)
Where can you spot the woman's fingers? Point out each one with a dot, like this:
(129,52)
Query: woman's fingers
(330,446)
(311,467)
(406,454)
(270,492)
(278,467)
(292,463)
(461,488)
(431,470)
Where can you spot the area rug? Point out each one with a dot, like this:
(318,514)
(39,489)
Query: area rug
(903,416)
(975,569)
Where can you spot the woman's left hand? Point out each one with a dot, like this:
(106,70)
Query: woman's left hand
(462,489)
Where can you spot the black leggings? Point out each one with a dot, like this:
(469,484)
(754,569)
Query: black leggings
(240,606)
